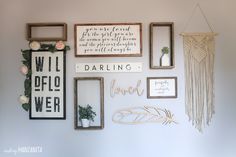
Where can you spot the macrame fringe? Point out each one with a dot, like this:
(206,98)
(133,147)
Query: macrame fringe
(199,77)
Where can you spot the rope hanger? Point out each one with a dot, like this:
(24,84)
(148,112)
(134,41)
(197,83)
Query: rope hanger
(197,6)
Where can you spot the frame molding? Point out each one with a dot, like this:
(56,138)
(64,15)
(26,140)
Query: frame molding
(101,80)
(161,97)
(108,24)
(172,59)
(31,25)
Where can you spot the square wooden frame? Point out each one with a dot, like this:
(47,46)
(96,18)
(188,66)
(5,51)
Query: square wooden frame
(172,60)
(159,97)
(101,80)
(108,55)
(64,89)
(31,25)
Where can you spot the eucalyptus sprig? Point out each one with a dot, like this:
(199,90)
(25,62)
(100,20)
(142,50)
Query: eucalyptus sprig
(52,47)
(27,82)
(165,50)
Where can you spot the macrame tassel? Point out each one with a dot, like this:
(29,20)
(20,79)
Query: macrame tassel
(199,77)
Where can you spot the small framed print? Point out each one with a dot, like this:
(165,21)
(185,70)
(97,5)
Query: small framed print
(108,40)
(89,91)
(161,87)
(48,83)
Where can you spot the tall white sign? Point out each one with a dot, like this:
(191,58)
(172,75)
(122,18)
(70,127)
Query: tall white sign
(47,85)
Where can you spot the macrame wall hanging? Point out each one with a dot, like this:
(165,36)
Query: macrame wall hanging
(199,52)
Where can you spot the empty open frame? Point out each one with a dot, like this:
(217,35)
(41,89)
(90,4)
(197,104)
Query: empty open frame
(89,91)
(161,36)
(46,31)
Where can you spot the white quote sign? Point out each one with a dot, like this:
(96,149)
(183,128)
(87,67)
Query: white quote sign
(162,87)
(108,67)
(108,39)
(47,85)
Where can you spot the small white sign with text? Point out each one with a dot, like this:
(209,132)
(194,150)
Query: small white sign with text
(108,67)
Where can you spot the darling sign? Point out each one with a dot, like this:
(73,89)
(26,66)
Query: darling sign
(47,85)
(108,67)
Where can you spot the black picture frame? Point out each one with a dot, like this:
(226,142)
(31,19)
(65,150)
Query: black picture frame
(63,82)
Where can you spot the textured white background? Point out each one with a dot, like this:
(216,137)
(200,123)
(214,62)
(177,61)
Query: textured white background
(59,139)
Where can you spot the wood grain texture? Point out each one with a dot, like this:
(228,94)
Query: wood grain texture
(29,27)
(108,24)
(151,44)
(76,118)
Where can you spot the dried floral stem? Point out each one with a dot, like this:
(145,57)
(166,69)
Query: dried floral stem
(146,114)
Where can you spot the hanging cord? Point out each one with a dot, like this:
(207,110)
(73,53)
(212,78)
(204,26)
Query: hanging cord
(203,14)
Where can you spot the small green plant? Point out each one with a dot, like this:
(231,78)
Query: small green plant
(86,113)
(165,50)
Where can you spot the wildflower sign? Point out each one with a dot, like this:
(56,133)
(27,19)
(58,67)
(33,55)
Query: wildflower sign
(47,85)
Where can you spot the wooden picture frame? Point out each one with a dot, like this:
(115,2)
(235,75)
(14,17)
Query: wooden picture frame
(88,96)
(108,40)
(161,35)
(31,26)
(48,85)
(161,87)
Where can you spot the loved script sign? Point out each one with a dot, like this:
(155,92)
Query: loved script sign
(108,39)
(47,85)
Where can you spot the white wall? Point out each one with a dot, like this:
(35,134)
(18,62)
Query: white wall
(59,139)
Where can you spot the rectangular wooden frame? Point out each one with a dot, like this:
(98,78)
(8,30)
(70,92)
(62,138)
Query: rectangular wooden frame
(108,55)
(158,96)
(63,82)
(172,60)
(101,80)
(31,25)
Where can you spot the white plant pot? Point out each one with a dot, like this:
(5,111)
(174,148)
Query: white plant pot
(85,123)
(165,60)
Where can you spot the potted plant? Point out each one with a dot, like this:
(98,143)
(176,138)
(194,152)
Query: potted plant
(165,59)
(86,114)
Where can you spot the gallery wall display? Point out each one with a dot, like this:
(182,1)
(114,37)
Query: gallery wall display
(41,31)
(109,67)
(162,45)
(48,92)
(142,115)
(89,91)
(161,87)
(108,40)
